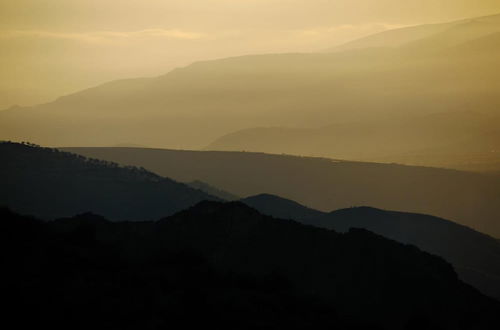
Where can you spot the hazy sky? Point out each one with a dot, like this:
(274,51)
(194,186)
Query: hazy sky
(53,47)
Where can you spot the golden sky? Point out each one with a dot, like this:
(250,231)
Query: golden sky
(54,47)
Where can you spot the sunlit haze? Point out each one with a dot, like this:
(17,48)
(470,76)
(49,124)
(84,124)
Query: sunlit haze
(250,164)
(51,48)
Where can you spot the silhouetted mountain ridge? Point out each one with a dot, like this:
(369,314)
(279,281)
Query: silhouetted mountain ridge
(326,184)
(474,255)
(281,207)
(462,140)
(231,267)
(49,183)
(224,195)
(394,38)
(420,77)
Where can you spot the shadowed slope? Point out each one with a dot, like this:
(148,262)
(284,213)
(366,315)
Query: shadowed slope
(49,183)
(224,195)
(475,256)
(324,184)
(281,208)
(230,267)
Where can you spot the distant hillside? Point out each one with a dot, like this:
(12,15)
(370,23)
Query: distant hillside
(447,33)
(395,37)
(224,265)
(465,140)
(475,256)
(454,35)
(212,190)
(324,184)
(435,71)
(282,208)
(50,183)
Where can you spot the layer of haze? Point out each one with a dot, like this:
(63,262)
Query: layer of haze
(51,48)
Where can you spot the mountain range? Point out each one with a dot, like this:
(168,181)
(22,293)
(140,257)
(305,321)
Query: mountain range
(226,265)
(462,140)
(475,256)
(49,183)
(325,184)
(387,79)
(441,35)
(353,188)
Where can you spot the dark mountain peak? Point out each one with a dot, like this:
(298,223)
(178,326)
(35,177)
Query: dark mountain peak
(52,184)
(217,224)
(264,196)
(212,207)
(227,257)
(359,211)
(214,210)
(270,199)
(87,217)
(280,207)
(209,189)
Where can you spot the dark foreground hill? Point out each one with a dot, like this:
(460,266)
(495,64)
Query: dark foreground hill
(325,184)
(49,183)
(225,265)
(475,256)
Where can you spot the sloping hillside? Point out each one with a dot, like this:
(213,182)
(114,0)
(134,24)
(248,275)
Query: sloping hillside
(325,184)
(49,183)
(296,90)
(475,256)
(464,140)
(227,266)
(282,208)
(447,33)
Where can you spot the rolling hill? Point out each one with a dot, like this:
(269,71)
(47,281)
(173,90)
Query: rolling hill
(450,33)
(49,183)
(224,195)
(427,73)
(475,256)
(282,208)
(228,266)
(464,140)
(324,184)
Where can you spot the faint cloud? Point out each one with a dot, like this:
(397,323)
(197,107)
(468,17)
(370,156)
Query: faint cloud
(357,28)
(103,36)
(175,34)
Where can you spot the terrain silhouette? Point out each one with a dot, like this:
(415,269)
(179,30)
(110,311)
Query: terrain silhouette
(226,265)
(464,140)
(50,183)
(446,69)
(324,184)
(283,208)
(441,35)
(200,185)
(475,256)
